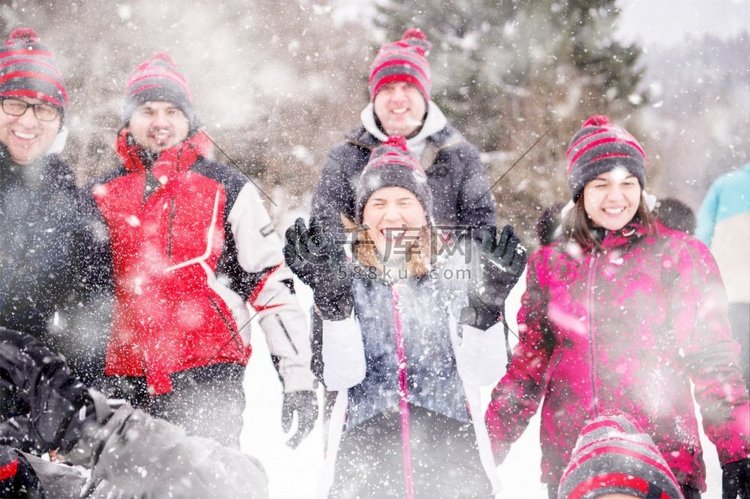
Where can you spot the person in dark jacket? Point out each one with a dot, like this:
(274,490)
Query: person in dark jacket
(548,224)
(675,214)
(126,452)
(403,347)
(192,246)
(621,314)
(400,85)
(55,273)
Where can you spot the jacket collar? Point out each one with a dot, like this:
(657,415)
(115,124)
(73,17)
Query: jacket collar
(171,161)
(433,123)
(617,238)
(43,170)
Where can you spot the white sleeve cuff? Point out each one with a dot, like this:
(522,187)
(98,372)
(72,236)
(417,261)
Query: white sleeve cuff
(343,352)
(481,356)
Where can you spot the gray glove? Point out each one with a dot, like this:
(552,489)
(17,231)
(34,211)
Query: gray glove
(305,404)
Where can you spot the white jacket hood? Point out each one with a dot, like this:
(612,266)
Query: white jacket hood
(434,122)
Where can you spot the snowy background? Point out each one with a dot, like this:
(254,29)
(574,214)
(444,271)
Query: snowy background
(277,83)
(661,27)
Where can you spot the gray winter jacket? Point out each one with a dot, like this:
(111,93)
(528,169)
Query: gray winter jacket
(146,457)
(433,380)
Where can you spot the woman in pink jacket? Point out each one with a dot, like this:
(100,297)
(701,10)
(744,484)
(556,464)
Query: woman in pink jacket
(620,314)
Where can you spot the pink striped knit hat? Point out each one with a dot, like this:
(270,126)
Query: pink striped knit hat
(28,69)
(403,60)
(613,455)
(598,147)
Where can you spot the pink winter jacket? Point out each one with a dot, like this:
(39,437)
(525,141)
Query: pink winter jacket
(625,328)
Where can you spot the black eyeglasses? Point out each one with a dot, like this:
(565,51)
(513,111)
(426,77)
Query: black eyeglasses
(17,107)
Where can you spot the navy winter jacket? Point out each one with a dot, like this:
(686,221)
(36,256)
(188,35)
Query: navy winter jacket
(458,181)
(53,265)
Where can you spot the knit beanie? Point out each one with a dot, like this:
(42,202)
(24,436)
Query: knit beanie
(158,80)
(403,60)
(598,147)
(391,165)
(613,455)
(28,69)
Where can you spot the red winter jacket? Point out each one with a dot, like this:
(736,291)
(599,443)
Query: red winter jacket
(625,329)
(189,248)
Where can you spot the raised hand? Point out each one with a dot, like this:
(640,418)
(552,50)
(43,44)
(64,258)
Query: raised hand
(321,263)
(502,261)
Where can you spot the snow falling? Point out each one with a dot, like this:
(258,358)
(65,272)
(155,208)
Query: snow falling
(277,84)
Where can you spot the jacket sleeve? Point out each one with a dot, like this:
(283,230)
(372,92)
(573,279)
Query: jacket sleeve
(149,457)
(476,206)
(86,315)
(481,356)
(271,294)
(334,194)
(706,219)
(701,328)
(516,398)
(343,354)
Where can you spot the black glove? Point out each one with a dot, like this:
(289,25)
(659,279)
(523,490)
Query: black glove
(43,381)
(320,262)
(305,404)
(502,261)
(735,480)
(17,477)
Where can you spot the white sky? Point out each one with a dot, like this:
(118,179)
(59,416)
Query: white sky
(667,22)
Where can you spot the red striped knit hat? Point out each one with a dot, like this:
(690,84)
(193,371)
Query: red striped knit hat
(392,165)
(598,147)
(612,456)
(158,80)
(403,60)
(28,69)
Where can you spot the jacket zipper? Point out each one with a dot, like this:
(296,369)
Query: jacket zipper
(232,332)
(172,214)
(403,391)
(286,333)
(592,342)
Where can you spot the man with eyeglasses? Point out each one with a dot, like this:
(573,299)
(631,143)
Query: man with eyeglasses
(54,269)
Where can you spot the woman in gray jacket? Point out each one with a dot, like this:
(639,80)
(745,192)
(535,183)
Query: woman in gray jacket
(401,344)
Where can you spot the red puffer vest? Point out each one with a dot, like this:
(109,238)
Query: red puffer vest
(625,328)
(165,248)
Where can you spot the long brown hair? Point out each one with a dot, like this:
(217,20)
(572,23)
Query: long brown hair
(578,227)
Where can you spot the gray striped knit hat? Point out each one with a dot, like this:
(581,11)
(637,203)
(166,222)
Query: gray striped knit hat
(28,69)
(392,165)
(403,60)
(598,147)
(159,80)
(613,455)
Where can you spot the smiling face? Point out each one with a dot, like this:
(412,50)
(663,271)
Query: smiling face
(400,108)
(157,126)
(26,137)
(394,218)
(612,198)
